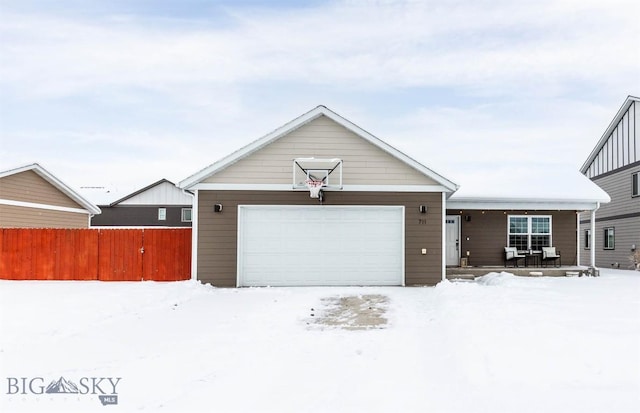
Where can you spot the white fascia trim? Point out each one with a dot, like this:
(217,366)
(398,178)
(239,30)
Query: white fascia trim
(11,202)
(539,205)
(347,188)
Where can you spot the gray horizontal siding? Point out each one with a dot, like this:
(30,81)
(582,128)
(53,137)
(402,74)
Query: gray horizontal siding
(146,216)
(627,233)
(618,186)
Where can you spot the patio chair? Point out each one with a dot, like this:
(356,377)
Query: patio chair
(511,254)
(550,254)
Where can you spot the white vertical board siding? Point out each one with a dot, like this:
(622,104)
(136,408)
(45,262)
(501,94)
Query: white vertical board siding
(162,194)
(320,245)
(634,128)
(622,146)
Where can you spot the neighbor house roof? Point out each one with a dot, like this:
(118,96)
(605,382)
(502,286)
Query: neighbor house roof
(605,136)
(57,183)
(300,121)
(145,189)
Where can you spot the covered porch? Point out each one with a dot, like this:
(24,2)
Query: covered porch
(500,209)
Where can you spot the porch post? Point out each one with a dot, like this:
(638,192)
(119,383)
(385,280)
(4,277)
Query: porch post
(593,235)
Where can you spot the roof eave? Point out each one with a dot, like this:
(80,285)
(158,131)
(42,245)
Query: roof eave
(249,148)
(495,203)
(37,168)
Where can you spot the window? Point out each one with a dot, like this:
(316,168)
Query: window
(587,239)
(186,214)
(162,214)
(635,184)
(529,232)
(609,238)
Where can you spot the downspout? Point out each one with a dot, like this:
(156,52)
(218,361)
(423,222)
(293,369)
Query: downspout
(578,238)
(194,236)
(443,242)
(593,235)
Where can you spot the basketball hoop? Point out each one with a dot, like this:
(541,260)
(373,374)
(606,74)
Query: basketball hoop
(314,186)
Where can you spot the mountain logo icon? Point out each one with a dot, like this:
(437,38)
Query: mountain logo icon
(62,385)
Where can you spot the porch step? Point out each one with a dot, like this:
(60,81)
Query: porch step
(470,273)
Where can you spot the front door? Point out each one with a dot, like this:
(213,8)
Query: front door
(452,236)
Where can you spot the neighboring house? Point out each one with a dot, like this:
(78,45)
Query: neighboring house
(381,217)
(614,165)
(160,204)
(31,197)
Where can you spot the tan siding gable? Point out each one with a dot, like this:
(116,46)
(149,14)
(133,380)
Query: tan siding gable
(22,217)
(28,186)
(363,163)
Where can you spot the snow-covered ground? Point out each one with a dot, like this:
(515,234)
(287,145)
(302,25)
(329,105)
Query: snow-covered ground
(499,344)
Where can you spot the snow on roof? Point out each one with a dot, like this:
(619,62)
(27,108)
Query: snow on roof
(501,182)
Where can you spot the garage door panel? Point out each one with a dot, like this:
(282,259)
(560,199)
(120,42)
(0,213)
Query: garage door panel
(324,245)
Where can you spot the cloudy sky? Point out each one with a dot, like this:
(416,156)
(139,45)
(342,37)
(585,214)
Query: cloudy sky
(122,93)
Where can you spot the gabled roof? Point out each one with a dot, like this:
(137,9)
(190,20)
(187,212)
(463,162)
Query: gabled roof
(146,188)
(300,121)
(603,140)
(61,186)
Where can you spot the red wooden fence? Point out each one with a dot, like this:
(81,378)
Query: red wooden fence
(95,254)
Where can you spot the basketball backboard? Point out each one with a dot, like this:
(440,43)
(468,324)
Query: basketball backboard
(317,169)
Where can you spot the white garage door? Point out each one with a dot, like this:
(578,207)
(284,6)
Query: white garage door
(320,245)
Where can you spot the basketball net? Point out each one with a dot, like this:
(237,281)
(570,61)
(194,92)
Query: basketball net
(314,186)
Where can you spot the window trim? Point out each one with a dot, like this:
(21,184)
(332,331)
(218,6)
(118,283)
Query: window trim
(635,184)
(606,245)
(529,228)
(162,214)
(587,239)
(190,214)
